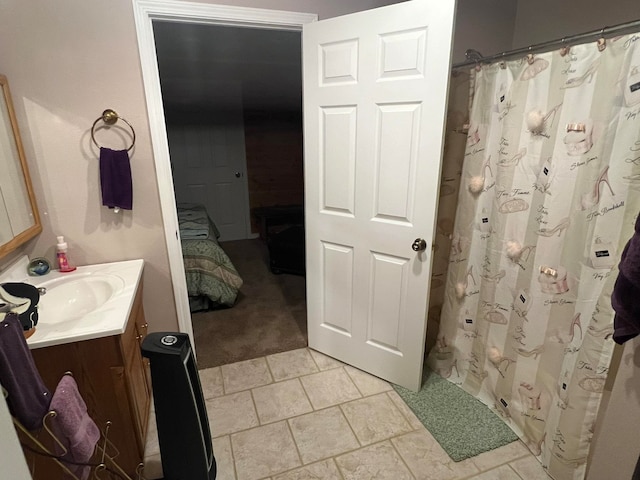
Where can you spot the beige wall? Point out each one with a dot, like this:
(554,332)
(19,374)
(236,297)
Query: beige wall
(66,62)
(616,444)
(323,8)
(543,20)
(484,25)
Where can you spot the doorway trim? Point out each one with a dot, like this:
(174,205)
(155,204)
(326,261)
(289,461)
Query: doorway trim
(145,12)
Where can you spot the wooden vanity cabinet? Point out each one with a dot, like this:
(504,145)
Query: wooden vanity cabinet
(115,382)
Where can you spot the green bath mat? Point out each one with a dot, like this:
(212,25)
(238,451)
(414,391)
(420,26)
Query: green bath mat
(461,423)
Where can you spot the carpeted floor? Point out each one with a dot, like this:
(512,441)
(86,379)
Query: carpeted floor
(461,423)
(268,317)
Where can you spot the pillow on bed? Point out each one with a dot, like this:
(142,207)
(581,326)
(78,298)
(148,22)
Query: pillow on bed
(195,223)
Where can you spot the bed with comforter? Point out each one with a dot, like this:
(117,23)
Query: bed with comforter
(212,280)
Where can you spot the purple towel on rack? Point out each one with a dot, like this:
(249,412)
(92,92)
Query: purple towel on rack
(626,291)
(28,397)
(73,426)
(115,179)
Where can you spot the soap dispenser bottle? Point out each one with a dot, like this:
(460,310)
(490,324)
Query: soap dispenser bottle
(61,253)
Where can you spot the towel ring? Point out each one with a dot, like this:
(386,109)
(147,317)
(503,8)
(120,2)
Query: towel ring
(110,117)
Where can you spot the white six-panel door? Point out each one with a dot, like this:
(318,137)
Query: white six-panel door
(375,89)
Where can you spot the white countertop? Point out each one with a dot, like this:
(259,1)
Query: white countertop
(108,319)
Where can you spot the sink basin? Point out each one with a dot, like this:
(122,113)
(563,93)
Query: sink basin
(71,298)
(91,302)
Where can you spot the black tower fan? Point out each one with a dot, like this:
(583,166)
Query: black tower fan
(181,416)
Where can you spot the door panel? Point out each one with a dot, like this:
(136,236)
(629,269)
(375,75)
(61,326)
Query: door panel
(375,88)
(338,159)
(386,301)
(337,288)
(398,132)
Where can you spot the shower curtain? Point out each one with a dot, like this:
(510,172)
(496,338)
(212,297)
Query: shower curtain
(549,193)
(460,85)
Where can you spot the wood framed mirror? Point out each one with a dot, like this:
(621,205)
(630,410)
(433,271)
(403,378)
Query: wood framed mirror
(19,218)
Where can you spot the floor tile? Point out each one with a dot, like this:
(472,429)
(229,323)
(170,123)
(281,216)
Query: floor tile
(427,460)
(366,383)
(231,413)
(323,361)
(505,454)
(264,427)
(245,375)
(405,410)
(501,473)
(329,388)
(224,458)
(322,434)
(375,418)
(211,382)
(529,468)
(291,364)
(280,401)
(264,451)
(325,470)
(379,461)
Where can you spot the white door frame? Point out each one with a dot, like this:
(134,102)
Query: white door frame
(145,11)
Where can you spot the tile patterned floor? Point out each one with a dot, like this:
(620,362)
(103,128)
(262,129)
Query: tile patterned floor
(302,415)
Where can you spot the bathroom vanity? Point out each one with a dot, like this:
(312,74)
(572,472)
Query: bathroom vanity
(114,381)
(101,348)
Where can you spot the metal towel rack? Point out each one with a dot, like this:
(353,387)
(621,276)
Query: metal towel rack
(105,451)
(110,117)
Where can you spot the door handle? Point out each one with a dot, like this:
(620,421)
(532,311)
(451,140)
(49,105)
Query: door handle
(238,174)
(419,245)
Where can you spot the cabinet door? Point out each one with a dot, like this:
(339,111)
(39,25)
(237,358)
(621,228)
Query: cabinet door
(137,369)
(139,394)
(98,368)
(142,328)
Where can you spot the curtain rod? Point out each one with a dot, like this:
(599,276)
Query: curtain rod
(566,41)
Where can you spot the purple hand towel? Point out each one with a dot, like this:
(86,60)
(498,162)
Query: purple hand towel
(73,426)
(28,397)
(115,179)
(626,291)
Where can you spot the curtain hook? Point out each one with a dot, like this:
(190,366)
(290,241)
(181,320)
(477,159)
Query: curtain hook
(602,42)
(530,56)
(472,54)
(565,48)
(503,65)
